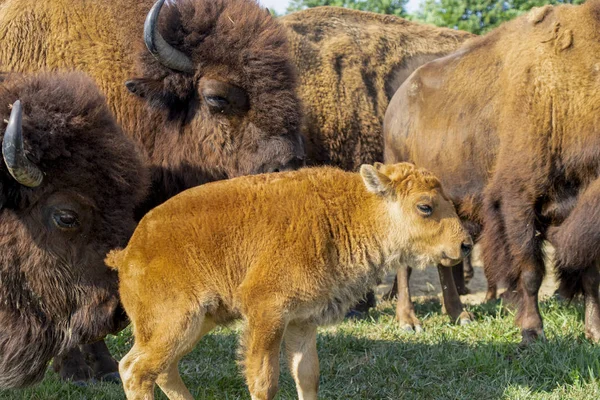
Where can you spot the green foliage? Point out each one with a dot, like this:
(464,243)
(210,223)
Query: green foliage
(394,7)
(477,16)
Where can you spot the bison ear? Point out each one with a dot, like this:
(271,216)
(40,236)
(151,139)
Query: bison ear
(139,87)
(375,181)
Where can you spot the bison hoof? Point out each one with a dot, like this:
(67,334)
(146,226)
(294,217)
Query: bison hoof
(463,290)
(465,318)
(113,377)
(531,335)
(412,329)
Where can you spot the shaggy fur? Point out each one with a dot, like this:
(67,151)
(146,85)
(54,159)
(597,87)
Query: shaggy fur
(236,47)
(510,124)
(234,42)
(56,291)
(285,252)
(350,64)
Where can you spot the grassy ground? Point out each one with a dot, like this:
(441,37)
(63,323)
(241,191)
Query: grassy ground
(374,359)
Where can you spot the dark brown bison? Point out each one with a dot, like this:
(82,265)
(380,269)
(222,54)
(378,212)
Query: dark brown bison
(218,79)
(69,181)
(511,124)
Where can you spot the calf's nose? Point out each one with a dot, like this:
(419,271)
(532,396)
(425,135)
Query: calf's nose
(466,247)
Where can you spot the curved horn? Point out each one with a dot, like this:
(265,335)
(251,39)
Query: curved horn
(166,54)
(24,171)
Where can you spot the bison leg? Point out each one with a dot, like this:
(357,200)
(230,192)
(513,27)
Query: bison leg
(301,351)
(393,292)
(72,366)
(458,274)
(468,271)
(511,239)
(492,292)
(591,282)
(155,359)
(263,338)
(104,366)
(452,302)
(405,310)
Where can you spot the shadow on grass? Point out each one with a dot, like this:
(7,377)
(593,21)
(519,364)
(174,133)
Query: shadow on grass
(374,359)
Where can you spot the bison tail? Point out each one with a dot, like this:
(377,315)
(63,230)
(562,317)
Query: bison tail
(114,258)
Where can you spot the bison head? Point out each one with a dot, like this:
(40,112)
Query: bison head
(69,180)
(220,72)
(423,220)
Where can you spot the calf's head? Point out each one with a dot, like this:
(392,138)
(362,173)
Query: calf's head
(220,72)
(69,180)
(423,222)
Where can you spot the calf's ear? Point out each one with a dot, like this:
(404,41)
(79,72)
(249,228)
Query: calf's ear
(375,181)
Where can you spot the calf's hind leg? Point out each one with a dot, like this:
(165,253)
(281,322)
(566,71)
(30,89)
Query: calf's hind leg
(301,350)
(262,342)
(154,358)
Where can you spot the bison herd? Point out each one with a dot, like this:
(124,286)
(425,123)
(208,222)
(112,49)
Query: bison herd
(119,114)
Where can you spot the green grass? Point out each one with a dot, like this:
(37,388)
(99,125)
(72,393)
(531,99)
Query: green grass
(374,359)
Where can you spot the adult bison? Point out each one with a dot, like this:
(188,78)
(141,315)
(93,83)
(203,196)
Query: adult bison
(511,124)
(350,64)
(69,181)
(223,100)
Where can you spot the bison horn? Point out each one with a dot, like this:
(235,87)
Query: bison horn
(19,166)
(166,54)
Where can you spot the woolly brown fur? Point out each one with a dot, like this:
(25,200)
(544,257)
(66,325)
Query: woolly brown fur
(55,290)
(231,41)
(350,64)
(286,252)
(510,125)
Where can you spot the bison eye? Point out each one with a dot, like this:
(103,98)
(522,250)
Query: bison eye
(425,209)
(66,219)
(216,103)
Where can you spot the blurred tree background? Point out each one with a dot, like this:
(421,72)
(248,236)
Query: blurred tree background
(477,16)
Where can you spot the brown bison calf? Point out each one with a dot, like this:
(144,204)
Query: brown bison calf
(286,252)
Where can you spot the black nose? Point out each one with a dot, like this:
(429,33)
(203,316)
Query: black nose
(466,248)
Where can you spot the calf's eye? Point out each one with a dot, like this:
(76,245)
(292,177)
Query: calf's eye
(425,209)
(65,219)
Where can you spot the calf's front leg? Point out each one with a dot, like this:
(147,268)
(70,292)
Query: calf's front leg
(301,351)
(405,310)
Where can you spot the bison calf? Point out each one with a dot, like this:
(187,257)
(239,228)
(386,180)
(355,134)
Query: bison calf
(286,252)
